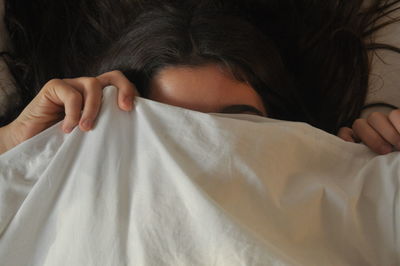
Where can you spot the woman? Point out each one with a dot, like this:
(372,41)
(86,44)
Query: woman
(298,60)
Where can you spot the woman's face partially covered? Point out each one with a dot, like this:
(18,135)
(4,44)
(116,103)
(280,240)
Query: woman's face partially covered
(207,89)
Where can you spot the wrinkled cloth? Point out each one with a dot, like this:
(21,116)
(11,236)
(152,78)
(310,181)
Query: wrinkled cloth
(162,185)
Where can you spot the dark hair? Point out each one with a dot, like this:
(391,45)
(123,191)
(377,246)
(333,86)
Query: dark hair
(58,39)
(169,35)
(306,58)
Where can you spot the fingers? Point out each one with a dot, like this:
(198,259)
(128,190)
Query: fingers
(77,101)
(370,137)
(62,93)
(346,134)
(387,129)
(126,90)
(80,99)
(91,89)
(394,118)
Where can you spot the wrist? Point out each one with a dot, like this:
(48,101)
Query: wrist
(380,107)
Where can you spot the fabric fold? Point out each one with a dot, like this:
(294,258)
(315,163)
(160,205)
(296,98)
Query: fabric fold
(162,185)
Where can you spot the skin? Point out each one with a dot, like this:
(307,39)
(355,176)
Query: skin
(208,88)
(77,101)
(380,132)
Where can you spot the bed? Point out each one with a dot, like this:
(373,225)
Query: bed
(164,185)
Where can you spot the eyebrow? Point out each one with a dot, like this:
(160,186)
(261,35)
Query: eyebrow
(240,108)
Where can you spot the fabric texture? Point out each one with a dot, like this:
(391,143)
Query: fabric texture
(163,185)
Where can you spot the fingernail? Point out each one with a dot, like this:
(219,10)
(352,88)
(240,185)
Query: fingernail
(128,101)
(87,124)
(68,129)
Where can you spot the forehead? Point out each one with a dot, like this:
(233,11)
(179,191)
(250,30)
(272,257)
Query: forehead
(210,75)
(202,88)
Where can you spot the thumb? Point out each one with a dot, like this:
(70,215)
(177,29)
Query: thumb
(346,134)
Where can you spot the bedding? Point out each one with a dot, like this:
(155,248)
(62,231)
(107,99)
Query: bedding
(163,185)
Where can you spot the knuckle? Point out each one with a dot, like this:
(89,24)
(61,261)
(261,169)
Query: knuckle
(358,123)
(53,83)
(394,114)
(74,96)
(91,82)
(374,116)
(115,72)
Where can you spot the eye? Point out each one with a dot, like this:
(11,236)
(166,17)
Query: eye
(241,109)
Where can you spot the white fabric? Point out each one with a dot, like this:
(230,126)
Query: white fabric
(163,185)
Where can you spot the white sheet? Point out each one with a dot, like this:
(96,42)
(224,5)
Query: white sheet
(166,186)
